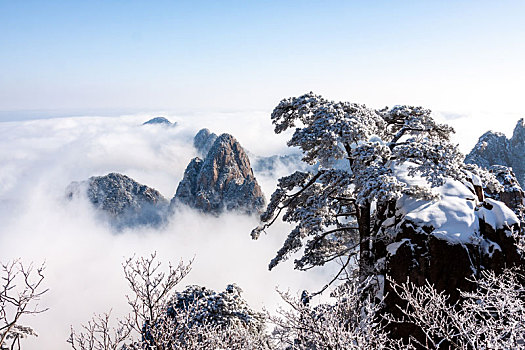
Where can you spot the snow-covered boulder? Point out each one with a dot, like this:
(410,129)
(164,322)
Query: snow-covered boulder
(446,242)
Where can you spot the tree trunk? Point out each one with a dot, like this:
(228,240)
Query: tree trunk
(366,262)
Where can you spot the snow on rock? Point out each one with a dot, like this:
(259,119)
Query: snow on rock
(512,194)
(489,248)
(446,242)
(393,247)
(476,181)
(497,214)
(455,215)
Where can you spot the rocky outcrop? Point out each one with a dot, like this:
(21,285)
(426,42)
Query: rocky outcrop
(496,149)
(445,257)
(122,200)
(203,141)
(222,181)
(159,121)
(512,194)
(450,268)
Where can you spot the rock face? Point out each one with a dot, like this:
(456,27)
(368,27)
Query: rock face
(124,202)
(496,149)
(159,120)
(203,141)
(222,181)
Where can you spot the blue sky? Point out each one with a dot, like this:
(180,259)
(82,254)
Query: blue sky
(84,56)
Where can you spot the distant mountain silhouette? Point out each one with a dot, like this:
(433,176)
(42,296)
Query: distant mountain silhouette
(159,120)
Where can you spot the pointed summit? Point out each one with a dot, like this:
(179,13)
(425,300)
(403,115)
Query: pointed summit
(203,141)
(224,180)
(518,136)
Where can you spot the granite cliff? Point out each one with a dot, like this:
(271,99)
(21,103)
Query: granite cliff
(223,180)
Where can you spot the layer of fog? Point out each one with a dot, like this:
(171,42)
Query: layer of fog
(84,255)
(39,158)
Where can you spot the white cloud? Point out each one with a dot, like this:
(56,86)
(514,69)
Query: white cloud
(83,255)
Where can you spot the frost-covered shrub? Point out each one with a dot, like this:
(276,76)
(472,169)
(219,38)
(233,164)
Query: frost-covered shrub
(162,318)
(350,322)
(490,317)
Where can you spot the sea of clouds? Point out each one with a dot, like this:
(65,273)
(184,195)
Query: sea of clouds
(83,255)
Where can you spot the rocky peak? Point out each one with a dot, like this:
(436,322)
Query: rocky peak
(492,148)
(496,149)
(187,189)
(159,120)
(518,136)
(222,181)
(203,141)
(122,200)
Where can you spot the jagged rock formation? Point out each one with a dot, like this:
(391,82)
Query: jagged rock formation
(203,141)
(222,181)
(122,200)
(494,148)
(159,120)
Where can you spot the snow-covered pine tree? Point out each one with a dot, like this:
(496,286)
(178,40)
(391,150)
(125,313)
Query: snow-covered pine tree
(339,208)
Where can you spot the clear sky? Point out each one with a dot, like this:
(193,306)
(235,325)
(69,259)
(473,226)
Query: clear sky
(455,56)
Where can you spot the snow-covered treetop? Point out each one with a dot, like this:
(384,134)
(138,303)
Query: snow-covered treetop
(327,126)
(371,140)
(335,208)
